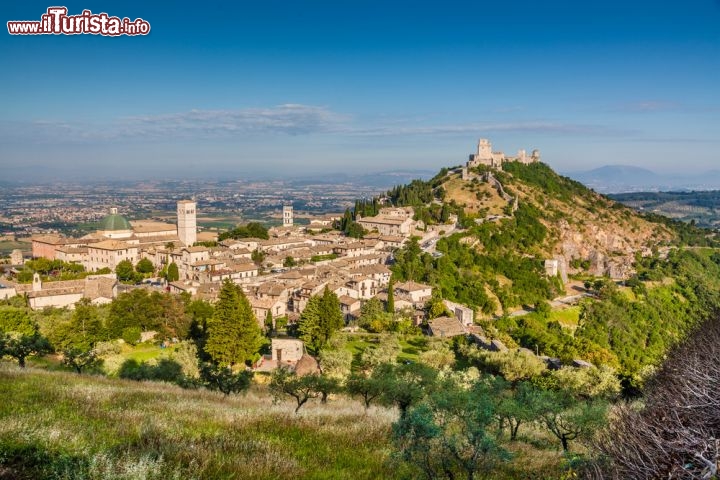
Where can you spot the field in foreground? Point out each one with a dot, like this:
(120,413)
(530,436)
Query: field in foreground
(61,425)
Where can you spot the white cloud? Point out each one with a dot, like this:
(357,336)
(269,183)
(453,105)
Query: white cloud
(290,119)
(286,119)
(482,128)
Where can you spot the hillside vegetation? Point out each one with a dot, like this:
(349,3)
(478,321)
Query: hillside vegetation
(386,402)
(61,425)
(582,224)
(500,261)
(56,425)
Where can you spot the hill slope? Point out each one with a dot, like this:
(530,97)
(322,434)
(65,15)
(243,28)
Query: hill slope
(512,221)
(61,425)
(583,225)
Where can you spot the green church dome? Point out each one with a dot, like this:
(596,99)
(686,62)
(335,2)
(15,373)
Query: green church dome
(114,222)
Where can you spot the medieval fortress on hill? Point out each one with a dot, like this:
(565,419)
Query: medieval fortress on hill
(356,270)
(485,156)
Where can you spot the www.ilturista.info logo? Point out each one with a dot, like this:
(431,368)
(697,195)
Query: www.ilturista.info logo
(57,22)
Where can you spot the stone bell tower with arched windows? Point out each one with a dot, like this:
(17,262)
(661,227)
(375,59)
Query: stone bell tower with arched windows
(187,222)
(287,216)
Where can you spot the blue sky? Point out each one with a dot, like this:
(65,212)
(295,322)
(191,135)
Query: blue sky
(304,86)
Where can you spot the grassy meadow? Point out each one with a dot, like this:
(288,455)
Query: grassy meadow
(63,425)
(60,425)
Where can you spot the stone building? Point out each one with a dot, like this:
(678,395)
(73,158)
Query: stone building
(46,246)
(446,327)
(115,226)
(465,315)
(99,289)
(117,239)
(485,156)
(286,351)
(187,223)
(108,254)
(388,225)
(416,292)
(287,216)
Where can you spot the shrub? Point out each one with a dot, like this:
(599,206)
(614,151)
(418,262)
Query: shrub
(132,335)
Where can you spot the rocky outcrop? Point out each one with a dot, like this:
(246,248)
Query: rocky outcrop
(609,247)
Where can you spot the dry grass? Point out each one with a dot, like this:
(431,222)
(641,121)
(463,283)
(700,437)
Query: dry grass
(465,193)
(60,425)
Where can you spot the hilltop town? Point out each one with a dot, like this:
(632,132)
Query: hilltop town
(295,261)
(279,274)
(496,273)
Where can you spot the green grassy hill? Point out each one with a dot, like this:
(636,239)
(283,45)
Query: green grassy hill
(63,425)
(58,425)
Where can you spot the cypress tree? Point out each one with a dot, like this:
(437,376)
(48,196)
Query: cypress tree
(309,325)
(233,334)
(269,322)
(331,317)
(321,318)
(173,274)
(390,306)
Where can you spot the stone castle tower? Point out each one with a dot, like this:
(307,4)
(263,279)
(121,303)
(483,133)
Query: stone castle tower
(485,156)
(186,222)
(287,216)
(484,149)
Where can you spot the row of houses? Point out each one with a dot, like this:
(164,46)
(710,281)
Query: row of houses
(279,274)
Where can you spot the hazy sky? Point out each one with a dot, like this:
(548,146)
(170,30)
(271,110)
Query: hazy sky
(301,86)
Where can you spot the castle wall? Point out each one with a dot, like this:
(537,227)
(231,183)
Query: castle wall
(485,156)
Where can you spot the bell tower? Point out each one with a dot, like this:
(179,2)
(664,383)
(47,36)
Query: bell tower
(186,222)
(287,216)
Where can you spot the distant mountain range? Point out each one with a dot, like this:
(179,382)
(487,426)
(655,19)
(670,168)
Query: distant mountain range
(626,178)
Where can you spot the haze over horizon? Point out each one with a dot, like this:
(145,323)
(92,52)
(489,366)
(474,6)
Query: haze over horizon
(289,88)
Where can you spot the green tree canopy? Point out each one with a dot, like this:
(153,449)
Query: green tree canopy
(567,419)
(406,383)
(144,266)
(22,346)
(125,271)
(251,230)
(224,379)
(173,274)
(80,358)
(301,388)
(16,320)
(335,358)
(85,328)
(320,319)
(390,306)
(449,434)
(233,333)
(133,309)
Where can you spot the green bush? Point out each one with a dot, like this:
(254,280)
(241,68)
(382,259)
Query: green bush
(132,335)
(165,370)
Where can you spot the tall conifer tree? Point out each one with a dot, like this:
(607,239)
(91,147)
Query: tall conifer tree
(233,333)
